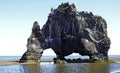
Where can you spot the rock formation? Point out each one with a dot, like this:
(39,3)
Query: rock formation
(34,51)
(68,31)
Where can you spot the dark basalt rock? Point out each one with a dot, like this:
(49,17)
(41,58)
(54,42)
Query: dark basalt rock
(68,31)
(34,51)
(79,60)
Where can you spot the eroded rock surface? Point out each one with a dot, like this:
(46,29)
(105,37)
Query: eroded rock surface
(34,51)
(68,31)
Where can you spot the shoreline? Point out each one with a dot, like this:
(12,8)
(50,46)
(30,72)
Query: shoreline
(16,62)
(117,60)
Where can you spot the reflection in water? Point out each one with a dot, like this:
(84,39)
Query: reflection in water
(62,68)
(71,68)
(30,68)
(99,68)
(114,68)
(56,68)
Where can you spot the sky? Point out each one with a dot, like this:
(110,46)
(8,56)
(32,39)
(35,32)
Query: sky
(18,16)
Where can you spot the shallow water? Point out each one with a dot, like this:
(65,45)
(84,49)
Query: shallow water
(6,58)
(62,68)
(48,67)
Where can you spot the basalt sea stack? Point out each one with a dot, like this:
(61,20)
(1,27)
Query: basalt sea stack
(68,31)
(34,51)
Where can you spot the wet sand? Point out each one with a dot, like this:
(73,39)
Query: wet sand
(2,63)
(116,60)
(5,63)
(15,62)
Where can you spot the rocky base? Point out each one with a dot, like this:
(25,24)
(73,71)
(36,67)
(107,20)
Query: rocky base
(29,58)
(79,60)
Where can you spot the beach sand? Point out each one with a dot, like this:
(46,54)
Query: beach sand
(5,63)
(16,62)
(117,60)
(2,63)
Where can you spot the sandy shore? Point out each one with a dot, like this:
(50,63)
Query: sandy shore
(5,63)
(116,60)
(14,62)
(2,63)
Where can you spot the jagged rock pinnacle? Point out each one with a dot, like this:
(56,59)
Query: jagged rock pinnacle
(34,50)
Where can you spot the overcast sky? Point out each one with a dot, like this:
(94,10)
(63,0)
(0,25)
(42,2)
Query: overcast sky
(18,16)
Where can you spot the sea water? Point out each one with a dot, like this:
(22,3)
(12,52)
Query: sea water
(49,67)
